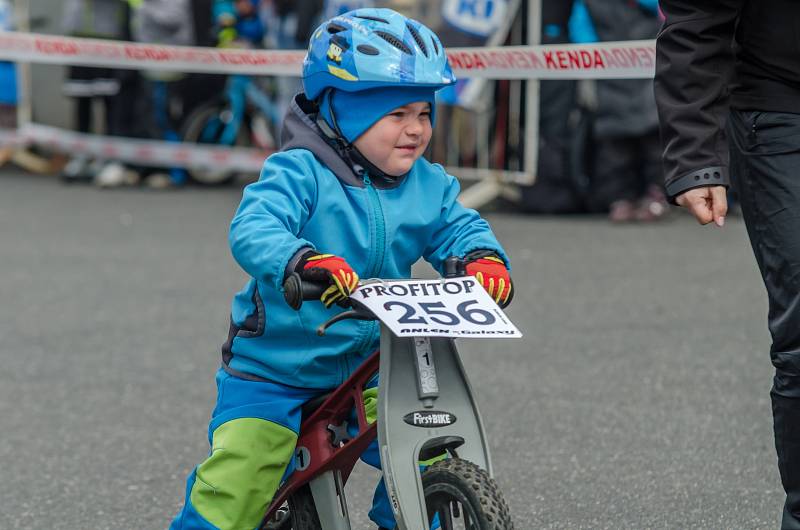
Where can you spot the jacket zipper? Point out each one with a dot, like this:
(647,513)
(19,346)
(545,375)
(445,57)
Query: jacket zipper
(380,227)
(376,259)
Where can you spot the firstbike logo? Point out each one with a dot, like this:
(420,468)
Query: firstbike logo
(429,418)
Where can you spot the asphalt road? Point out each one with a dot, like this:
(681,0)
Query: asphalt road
(637,399)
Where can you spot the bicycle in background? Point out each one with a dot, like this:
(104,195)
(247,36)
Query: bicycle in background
(246,115)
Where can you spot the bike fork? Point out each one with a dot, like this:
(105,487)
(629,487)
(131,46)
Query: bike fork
(440,417)
(329,498)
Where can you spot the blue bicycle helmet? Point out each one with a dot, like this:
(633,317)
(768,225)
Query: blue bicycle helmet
(370,48)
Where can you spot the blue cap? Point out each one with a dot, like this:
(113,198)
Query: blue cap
(355,112)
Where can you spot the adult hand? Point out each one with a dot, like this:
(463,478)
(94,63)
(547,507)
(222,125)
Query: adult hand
(706,204)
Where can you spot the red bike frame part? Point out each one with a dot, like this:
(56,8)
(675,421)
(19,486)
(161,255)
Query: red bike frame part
(315,436)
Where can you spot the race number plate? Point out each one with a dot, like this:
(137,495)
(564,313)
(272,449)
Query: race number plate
(453,307)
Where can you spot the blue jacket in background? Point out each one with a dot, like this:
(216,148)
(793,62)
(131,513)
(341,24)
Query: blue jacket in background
(307,197)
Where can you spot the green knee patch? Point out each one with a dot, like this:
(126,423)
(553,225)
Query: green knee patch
(370,396)
(234,486)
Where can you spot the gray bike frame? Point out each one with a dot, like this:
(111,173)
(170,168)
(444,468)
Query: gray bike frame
(417,375)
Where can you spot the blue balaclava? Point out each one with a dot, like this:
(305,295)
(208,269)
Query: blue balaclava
(356,112)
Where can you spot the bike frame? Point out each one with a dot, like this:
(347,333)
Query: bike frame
(323,465)
(441,385)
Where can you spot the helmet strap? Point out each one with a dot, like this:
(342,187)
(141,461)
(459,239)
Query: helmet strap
(348,151)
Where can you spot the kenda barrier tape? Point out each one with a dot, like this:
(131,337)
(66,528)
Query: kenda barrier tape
(607,60)
(150,153)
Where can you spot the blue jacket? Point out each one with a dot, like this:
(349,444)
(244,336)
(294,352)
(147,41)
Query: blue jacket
(308,197)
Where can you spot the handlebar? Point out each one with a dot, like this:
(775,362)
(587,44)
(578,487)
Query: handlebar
(296,291)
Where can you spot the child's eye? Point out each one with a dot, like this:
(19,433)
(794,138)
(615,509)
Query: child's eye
(398,114)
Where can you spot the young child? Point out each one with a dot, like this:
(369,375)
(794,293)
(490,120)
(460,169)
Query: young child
(348,196)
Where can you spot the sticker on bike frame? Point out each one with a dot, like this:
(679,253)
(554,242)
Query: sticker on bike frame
(426,368)
(452,307)
(429,418)
(302,458)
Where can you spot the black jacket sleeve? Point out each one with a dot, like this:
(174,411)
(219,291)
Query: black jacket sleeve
(694,65)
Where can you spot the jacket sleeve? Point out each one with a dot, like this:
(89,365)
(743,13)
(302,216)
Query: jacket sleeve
(459,231)
(263,234)
(694,64)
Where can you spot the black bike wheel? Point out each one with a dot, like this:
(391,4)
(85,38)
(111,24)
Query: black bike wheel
(465,497)
(205,125)
(302,510)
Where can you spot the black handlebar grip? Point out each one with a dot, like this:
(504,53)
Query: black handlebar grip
(295,290)
(454,267)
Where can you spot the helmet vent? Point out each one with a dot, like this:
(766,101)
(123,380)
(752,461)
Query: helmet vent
(435,46)
(417,38)
(367,49)
(394,41)
(335,28)
(374,19)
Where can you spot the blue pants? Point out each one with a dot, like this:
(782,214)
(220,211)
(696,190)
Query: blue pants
(253,432)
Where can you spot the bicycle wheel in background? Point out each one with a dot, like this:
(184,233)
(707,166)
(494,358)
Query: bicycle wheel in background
(464,496)
(206,125)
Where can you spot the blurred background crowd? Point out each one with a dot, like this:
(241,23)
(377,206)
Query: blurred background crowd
(599,149)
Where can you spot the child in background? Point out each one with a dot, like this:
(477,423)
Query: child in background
(348,196)
(238,23)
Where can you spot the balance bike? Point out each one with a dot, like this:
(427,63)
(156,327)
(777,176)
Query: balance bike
(426,409)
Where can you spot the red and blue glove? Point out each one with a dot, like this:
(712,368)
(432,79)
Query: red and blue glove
(490,270)
(342,278)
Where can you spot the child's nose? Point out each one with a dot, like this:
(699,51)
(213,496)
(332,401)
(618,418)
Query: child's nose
(414,128)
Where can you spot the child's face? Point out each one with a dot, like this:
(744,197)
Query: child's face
(397,140)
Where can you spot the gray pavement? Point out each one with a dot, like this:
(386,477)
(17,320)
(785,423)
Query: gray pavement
(637,399)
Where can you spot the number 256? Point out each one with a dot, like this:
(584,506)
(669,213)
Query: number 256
(437,314)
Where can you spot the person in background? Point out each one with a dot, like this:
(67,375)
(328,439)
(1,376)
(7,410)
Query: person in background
(100,19)
(197,88)
(163,22)
(288,25)
(8,86)
(627,173)
(555,190)
(238,23)
(8,75)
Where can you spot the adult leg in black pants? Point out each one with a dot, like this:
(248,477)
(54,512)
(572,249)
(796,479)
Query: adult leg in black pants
(765,168)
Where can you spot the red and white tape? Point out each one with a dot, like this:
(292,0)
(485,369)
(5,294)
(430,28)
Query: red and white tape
(607,60)
(151,153)
(610,60)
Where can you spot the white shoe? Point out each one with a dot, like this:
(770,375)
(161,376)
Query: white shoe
(111,176)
